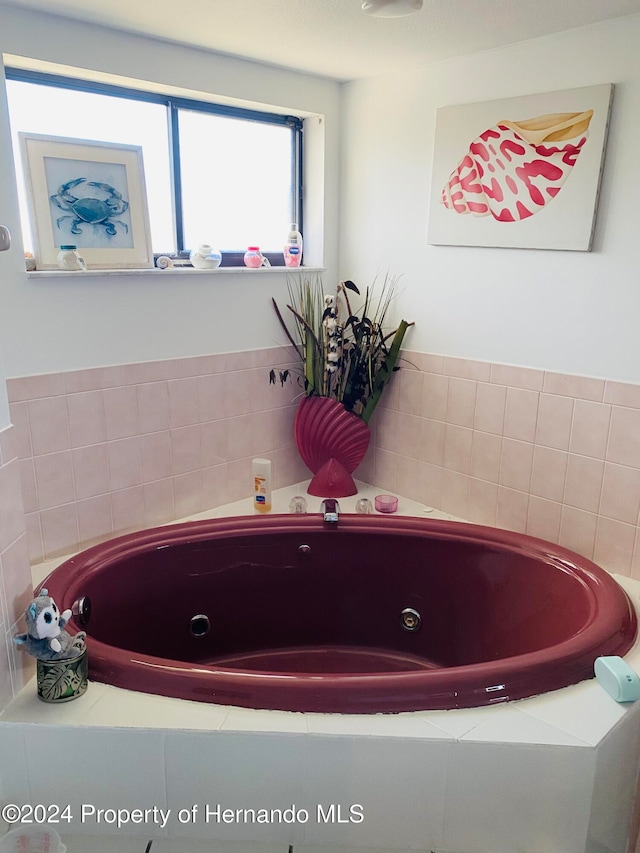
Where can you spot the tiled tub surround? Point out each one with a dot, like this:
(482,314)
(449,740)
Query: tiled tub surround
(111,449)
(15,571)
(548,454)
(555,772)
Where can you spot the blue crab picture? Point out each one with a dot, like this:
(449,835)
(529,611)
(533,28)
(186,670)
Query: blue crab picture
(89,210)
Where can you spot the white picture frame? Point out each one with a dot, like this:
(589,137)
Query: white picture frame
(88,194)
(558,213)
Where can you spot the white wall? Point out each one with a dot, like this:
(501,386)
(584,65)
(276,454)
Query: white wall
(11,261)
(572,312)
(69,323)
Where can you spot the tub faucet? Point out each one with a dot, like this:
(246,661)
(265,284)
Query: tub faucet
(330,509)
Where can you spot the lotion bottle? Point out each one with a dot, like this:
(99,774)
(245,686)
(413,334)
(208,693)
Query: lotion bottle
(261,472)
(293,247)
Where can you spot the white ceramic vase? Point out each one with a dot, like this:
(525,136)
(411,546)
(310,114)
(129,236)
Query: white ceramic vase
(205,258)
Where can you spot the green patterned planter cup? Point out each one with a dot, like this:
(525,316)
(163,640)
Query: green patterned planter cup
(62,680)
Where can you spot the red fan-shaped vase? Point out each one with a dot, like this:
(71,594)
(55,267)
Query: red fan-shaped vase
(332,443)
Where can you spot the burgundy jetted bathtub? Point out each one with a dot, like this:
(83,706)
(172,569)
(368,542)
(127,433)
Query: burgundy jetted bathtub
(365,615)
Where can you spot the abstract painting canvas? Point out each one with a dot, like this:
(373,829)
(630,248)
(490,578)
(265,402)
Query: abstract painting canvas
(88,194)
(520,172)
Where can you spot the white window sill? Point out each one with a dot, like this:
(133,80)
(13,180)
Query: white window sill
(165,273)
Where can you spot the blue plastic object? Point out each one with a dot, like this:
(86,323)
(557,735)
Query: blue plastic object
(618,679)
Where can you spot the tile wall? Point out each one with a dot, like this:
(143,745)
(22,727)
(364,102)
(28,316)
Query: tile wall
(15,573)
(556,456)
(111,449)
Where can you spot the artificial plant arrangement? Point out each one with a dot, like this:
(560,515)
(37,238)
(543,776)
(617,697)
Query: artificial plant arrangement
(347,357)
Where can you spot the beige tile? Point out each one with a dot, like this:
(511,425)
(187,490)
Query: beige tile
(435,390)
(622,394)
(34,537)
(553,428)
(54,479)
(16,578)
(90,471)
(155,456)
(407,477)
(521,414)
(578,531)
(543,519)
(485,456)
(214,485)
(32,387)
(432,438)
(238,479)
(461,402)
(408,435)
(614,545)
(516,464)
(249,435)
(188,494)
(93,378)
(264,395)
(86,418)
(455,493)
(158,502)
(59,530)
(95,520)
(624,437)
(410,391)
(183,402)
(28,483)
(430,478)
(121,412)
(49,425)
(385,470)
(466,368)
(512,509)
(583,484)
(517,377)
(483,502)
(125,467)
(127,509)
(283,420)
(8,444)
(549,473)
(237,393)
(19,413)
(211,397)
(457,449)
(386,426)
(620,498)
(590,429)
(213,441)
(144,372)
(185,448)
(425,362)
(579,387)
(490,408)
(153,406)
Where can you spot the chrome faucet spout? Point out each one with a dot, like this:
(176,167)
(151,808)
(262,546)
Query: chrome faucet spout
(330,509)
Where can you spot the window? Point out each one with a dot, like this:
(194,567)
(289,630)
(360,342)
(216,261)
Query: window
(214,174)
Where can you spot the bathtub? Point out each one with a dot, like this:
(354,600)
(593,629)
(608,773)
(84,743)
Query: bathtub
(372,614)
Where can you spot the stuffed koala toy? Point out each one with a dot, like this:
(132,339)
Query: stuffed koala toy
(45,638)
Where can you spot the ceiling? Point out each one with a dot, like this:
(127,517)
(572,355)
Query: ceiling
(334,38)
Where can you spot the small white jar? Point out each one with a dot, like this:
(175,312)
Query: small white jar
(205,258)
(69,259)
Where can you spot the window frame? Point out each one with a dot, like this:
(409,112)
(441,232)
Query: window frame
(173,105)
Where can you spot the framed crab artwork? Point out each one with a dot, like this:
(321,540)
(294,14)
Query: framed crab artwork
(520,172)
(88,194)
